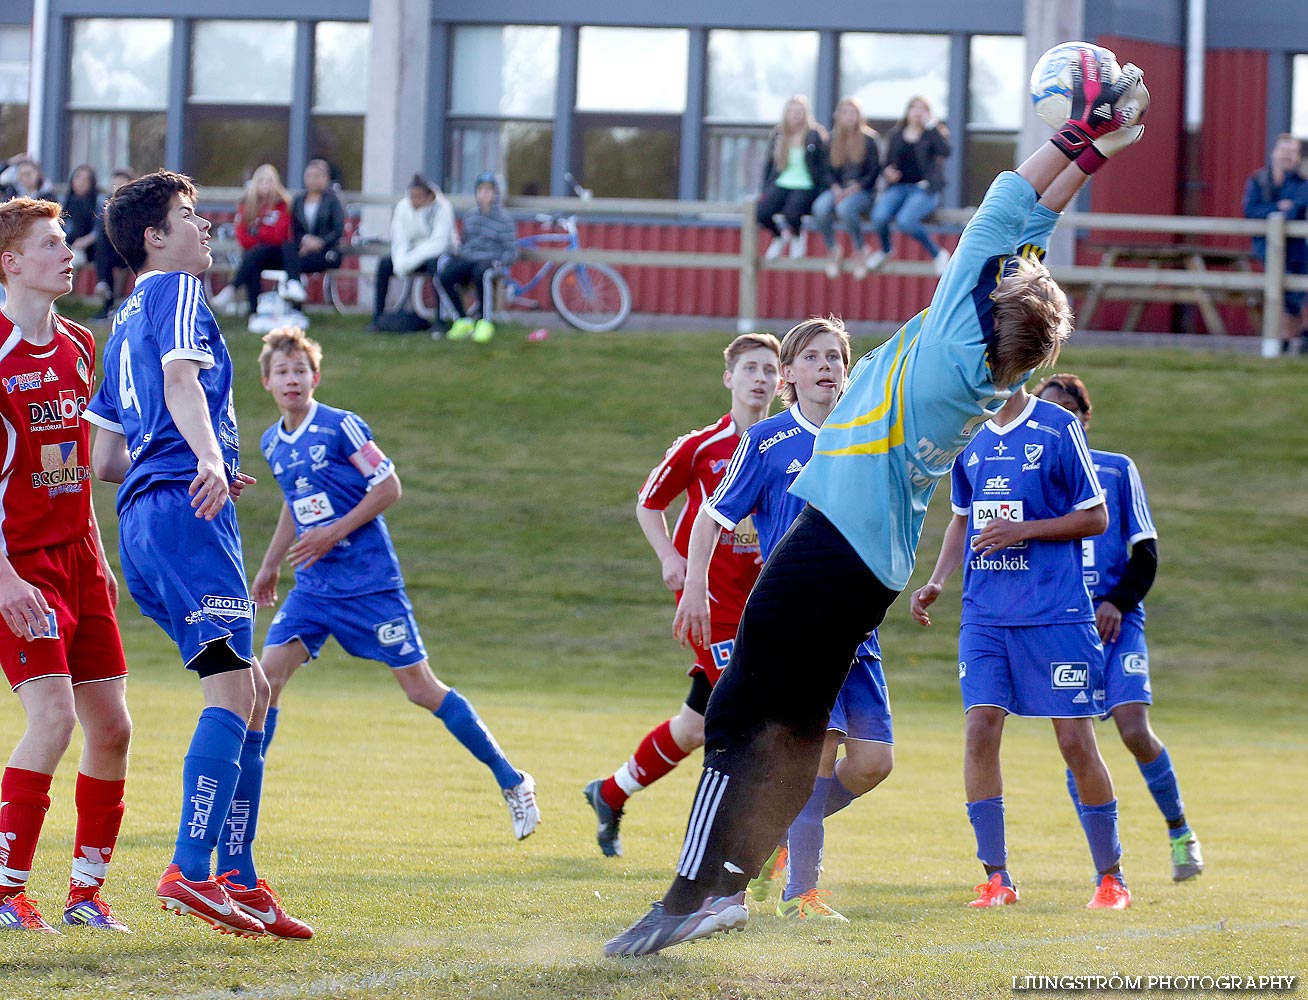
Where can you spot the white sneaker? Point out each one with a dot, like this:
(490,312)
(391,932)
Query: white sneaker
(294,291)
(523,811)
(876,258)
(225,300)
(798,246)
(776,248)
(833,267)
(939,261)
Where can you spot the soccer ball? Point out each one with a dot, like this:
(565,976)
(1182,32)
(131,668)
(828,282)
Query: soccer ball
(1051,80)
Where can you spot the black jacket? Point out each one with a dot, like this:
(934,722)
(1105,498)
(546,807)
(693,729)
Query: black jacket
(328,225)
(863,174)
(815,155)
(921,160)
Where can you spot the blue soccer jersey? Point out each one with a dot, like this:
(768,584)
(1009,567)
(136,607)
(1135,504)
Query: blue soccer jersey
(912,403)
(1104,557)
(1035,467)
(325,467)
(769,457)
(165,319)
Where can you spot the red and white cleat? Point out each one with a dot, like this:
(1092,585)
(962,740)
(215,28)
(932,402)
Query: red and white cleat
(266,906)
(207,900)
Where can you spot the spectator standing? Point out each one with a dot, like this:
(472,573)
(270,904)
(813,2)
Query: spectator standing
(490,244)
(107,258)
(1280,186)
(83,205)
(915,169)
(263,225)
(853,163)
(796,166)
(422,228)
(22,178)
(317,225)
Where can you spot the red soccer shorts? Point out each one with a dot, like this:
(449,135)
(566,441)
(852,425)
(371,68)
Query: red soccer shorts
(711,661)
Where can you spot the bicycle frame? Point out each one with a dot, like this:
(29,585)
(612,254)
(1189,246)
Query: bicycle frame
(567,239)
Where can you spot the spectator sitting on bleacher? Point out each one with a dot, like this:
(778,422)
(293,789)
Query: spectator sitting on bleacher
(263,225)
(83,206)
(422,228)
(915,170)
(796,167)
(107,258)
(490,243)
(22,178)
(853,163)
(317,225)
(1281,187)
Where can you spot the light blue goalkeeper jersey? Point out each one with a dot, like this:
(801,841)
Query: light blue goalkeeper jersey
(912,404)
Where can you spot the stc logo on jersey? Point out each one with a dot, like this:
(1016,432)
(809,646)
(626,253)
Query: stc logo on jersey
(63,411)
(997,484)
(1070,676)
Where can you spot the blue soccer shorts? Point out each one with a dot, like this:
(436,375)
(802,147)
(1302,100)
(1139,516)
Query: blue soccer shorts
(862,709)
(1043,671)
(1126,668)
(370,626)
(186,573)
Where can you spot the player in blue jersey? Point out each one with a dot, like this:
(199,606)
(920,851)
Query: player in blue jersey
(770,456)
(908,410)
(1024,495)
(336,483)
(1119,568)
(167,432)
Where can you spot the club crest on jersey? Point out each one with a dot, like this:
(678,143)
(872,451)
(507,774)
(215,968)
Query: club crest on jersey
(1033,453)
(393,632)
(318,455)
(19,383)
(82,372)
(1069,676)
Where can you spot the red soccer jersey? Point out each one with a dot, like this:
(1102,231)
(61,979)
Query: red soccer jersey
(45,444)
(693,466)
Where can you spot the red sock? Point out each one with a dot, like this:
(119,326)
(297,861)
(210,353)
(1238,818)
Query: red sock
(99,816)
(656,756)
(24,799)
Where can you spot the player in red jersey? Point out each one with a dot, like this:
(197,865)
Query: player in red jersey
(693,466)
(60,647)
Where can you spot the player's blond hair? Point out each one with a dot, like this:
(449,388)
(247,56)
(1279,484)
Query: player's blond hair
(1032,321)
(16,218)
(289,340)
(747,342)
(799,337)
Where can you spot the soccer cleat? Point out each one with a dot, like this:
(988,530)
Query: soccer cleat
(994,891)
(761,885)
(266,906)
(207,900)
(523,811)
(1110,894)
(460,329)
(606,834)
(94,912)
(811,905)
(19,913)
(659,929)
(483,331)
(1187,861)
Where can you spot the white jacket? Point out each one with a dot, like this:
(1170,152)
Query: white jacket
(422,234)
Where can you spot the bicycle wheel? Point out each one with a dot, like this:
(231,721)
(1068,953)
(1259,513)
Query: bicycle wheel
(349,290)
(591,297)
(422,298)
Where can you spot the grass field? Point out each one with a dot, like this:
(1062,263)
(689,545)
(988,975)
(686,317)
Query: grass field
(541,602)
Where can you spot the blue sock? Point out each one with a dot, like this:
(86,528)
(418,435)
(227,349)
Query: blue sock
(837,798)
(465,725)
(209,774)
(1100,825)
(806,838)
(1071,790)
(987,819)
(236,845)
(269,727)
(1160,779)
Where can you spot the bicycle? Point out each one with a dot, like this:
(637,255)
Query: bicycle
(350,289)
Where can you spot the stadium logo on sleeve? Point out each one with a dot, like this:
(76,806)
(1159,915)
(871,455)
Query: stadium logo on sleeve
(393,632)
(1069,676)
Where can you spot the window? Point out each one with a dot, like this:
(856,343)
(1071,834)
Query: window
(997,96)
(15,68)
(238,120)
(503,85)
(118,91)
(751,75)
(1299,97)
(885,71)
(336,126)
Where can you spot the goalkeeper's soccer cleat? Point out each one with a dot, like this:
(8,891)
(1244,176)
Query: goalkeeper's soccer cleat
(811,905)
(1110,894)
(207,900)
(19,913)
(94,912)
(994,891)
(659,929)
(523,811)
(1187,861)
(606,834)
(774,869)
(266,906)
